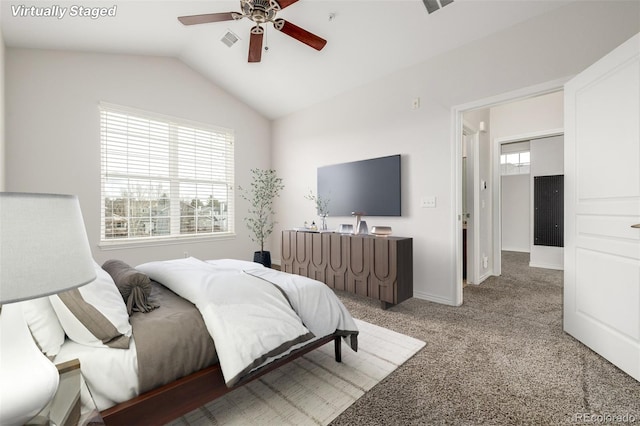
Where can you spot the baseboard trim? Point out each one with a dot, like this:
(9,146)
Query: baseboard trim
(485,276)
(433,298)
(546,266)
(481,278)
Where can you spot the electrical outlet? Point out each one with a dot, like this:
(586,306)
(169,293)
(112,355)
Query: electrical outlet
(415,103)
(185,254)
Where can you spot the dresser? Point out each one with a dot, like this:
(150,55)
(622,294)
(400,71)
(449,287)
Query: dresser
(380,268)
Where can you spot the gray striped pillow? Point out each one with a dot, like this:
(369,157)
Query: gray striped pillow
(94,314)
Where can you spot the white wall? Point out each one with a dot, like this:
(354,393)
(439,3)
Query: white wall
(516,212)
(2,108)
(528,116)
(547,159)
(53,137)
(377,119)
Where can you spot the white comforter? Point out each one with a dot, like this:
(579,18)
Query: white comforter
(245,309)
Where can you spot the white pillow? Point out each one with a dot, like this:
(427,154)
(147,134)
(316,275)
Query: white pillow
(94,314)
(44,325)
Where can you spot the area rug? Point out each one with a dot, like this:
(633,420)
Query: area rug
(314,389)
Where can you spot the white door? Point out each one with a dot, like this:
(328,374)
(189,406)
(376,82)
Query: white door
(602,205)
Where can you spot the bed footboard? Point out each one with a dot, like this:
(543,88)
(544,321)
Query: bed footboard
(175,399)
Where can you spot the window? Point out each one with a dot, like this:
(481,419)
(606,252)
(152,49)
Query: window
(163,178)
(515,163)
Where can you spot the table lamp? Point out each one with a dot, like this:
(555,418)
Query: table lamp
(43,250)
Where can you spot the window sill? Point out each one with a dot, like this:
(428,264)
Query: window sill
(164,241)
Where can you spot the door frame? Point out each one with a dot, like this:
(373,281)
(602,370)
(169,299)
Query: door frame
(473,249)
(497,187)
(457,121)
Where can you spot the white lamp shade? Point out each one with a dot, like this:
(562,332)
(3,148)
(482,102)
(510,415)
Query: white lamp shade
(43,246)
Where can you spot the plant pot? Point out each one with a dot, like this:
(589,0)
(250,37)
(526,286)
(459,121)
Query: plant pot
(262,257)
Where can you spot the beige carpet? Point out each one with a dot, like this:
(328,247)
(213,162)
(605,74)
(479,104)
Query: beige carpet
(501,358)
(314,389)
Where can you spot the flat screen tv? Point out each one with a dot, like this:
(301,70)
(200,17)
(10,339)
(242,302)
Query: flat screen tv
(371,187)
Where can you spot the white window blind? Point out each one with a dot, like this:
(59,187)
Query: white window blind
(163,177)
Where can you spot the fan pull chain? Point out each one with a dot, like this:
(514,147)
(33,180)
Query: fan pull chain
(266,38)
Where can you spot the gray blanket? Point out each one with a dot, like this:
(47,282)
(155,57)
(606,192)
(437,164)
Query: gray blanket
(172,341)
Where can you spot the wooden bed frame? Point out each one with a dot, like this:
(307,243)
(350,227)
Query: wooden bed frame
(168,402)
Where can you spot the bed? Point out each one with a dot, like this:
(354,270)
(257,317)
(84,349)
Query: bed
(186,332)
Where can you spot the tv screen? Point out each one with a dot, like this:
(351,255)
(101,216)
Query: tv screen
(368,186)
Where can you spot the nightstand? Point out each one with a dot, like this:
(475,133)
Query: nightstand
(64,409)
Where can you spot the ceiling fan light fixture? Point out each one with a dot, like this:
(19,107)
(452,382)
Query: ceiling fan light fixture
(260,12)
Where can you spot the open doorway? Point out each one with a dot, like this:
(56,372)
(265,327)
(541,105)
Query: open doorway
(522,115)
(541,155)
(470,204)
(477,196)
(515,196)
(533,118)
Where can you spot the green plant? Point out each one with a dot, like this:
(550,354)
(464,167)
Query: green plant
(265,188)
(322,205)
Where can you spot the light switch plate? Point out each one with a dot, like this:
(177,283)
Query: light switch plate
(428,202)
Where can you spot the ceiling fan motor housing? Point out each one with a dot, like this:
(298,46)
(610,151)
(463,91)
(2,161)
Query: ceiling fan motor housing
(260,11)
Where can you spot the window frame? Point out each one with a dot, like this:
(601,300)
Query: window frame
(520,165)
(176,127)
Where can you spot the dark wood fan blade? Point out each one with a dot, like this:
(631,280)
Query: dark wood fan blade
(255,45)
(300,34)
(286,3)
(206,18)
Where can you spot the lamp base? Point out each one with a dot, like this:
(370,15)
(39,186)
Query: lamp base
(28,380)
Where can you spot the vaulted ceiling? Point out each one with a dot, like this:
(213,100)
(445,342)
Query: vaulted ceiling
(366,40)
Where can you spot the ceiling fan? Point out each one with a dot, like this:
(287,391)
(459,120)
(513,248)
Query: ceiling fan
(260,12)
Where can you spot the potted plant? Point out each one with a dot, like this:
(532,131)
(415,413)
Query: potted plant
(265,187)
(322,207)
